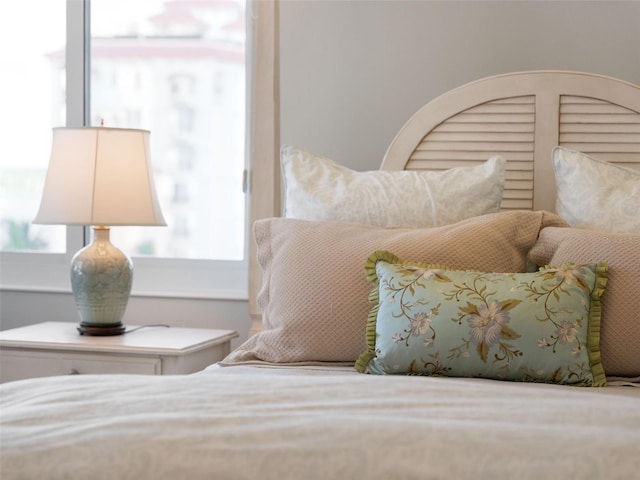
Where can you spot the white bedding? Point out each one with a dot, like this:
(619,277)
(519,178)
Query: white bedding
(307,423)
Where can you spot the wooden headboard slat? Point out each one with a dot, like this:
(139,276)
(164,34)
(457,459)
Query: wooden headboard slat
(598,137)
(603,128)
(516,205)
(445,160)
(499,118)
(439,135)
(600,118)
(483,127)
(524,173)
(505,145)
(514,194)
(624,150)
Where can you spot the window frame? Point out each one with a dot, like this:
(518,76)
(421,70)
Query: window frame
(263,124)
(161,277)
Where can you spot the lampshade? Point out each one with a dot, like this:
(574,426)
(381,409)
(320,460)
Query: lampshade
(99,176)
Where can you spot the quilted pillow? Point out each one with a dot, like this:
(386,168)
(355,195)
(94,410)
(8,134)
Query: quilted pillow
(620,328)
(316,188)
(429,320)
(594,194)
(314,297)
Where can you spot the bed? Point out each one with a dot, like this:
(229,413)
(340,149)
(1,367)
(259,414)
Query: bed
(467,311)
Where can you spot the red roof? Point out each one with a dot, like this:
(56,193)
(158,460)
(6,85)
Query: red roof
(202,3)
(176,11)
(163,48)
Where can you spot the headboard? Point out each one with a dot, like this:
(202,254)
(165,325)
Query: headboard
(522,116)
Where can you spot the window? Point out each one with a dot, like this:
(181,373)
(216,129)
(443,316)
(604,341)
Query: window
(152,65)
(163,55)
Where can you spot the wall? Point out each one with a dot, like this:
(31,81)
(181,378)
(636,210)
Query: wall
(352,71)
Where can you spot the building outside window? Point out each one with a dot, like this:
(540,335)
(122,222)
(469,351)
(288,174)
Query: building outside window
(183,45)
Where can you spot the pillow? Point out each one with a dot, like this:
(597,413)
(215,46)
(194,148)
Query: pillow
(316,188)
(596,195)
(314,297)
(620,329)
(429,320)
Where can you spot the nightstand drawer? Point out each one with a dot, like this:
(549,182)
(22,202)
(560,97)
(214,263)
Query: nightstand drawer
(20,364)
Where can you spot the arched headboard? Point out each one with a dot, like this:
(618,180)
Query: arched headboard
(522,117)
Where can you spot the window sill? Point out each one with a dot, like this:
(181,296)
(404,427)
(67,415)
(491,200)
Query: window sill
(166,278)
(230,295)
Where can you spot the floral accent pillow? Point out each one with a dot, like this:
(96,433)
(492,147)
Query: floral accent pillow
(539,327)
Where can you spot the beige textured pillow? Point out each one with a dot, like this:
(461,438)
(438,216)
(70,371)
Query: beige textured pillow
(314,296)
(620,324)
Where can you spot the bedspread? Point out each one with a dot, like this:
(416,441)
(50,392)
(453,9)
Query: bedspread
(249,422)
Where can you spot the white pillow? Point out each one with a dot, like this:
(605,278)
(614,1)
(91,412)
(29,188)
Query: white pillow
(595,194)
(317,188)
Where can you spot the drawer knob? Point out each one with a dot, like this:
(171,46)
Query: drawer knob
(73,371)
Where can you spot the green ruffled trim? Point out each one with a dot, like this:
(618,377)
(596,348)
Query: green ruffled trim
(370,265)
(370,353)
(374,300)
(593,330)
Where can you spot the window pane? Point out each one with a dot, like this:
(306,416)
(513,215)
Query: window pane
(178,69)
(32,92)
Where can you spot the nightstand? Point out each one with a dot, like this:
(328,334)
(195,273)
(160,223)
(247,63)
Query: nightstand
(56,348)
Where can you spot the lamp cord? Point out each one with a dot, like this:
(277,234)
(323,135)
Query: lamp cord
(146,326)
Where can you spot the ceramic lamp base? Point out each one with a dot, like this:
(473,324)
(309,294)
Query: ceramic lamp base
(101,277)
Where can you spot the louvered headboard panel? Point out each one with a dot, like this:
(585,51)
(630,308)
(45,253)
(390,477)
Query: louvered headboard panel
(502,127)
(602,129)
(522,117)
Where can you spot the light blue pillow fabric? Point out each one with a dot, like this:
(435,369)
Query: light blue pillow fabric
(540,327)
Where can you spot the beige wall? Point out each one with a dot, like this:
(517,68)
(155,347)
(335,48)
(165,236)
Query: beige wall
(353,71)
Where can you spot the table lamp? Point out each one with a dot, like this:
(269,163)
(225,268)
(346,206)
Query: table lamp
(101,177)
